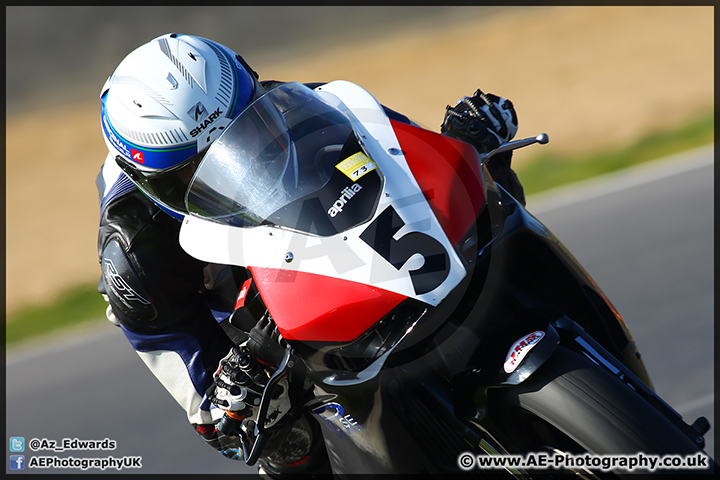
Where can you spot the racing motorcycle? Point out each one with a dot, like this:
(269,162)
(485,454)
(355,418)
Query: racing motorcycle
(419,314)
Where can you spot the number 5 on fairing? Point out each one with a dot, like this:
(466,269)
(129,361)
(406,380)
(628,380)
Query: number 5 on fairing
(380,236)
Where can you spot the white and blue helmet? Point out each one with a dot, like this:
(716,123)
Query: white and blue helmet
(163,106)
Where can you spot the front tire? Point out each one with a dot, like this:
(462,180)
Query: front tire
(572,405)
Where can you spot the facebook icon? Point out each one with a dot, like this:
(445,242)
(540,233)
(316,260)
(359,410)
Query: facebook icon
(17,462)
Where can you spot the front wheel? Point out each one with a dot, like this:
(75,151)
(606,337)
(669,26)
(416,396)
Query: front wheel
(571,406)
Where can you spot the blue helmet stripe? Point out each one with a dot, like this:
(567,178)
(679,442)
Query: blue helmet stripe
(242,96)
(156,158)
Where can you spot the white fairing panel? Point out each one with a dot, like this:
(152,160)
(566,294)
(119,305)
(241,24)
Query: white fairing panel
(345,256)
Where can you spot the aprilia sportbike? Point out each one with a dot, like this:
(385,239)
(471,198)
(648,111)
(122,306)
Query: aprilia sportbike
(433,319)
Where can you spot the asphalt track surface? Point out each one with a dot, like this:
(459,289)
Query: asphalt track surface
(645,236)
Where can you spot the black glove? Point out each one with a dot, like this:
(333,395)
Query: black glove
(484,120)
(229,446)
(239,384)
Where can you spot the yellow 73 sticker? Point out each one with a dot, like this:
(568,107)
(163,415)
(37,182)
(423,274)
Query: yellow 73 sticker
(357,165)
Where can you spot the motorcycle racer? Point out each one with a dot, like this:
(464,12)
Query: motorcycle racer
(164,104)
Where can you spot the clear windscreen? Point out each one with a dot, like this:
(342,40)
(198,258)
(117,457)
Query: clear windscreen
(280,150)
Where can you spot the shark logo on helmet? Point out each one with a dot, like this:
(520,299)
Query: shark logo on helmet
(138,156)
(202,126)
(197,111)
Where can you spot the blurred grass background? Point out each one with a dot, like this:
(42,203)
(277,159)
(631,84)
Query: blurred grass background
(612,86)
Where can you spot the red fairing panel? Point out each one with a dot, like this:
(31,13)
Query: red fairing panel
(448,172)
(312,307)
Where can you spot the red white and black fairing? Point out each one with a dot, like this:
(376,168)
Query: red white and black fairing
(335,232)
(426,312)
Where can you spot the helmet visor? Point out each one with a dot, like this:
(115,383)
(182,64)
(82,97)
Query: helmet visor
(166,187)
